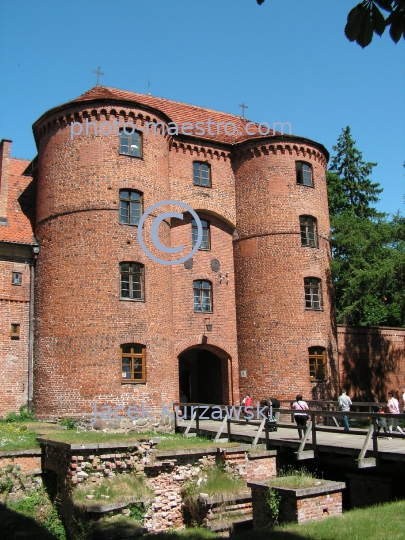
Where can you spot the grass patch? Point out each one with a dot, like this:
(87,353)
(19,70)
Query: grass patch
(292,478)
(375,523)
(21,435)
(116,489)
(16,436)
(214,480)
(31,517)
(175,441)
(78,437)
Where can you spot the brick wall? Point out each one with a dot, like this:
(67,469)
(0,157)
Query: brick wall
(369,490)
(164,471)
(371,361)
(14,307)
(297,505)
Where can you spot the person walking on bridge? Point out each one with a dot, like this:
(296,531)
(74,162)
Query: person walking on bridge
(344,405)
(301,415)
(393,408)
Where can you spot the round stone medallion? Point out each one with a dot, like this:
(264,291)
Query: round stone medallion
(215,266)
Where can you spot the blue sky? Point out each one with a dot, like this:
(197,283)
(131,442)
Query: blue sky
(288,60)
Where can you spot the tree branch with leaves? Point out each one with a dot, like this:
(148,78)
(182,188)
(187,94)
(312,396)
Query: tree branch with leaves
(367,19)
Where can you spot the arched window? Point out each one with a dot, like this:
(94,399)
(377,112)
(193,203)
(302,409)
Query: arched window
(132,281)
(202,295)
(304,173)
(313,298)
(317,363)
(133,362)
(308,231)
(201,174)
(206,240)
(130,206)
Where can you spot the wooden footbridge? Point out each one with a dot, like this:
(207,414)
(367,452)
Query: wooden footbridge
(366,446)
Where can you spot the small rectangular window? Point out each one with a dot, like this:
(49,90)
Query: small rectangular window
(130,143)
(16,278)
(133,363)
(15,331)
(202,295)
(317,363)
(308,231)
(304,173)
(312,293)
(201,174)
(132,281)
(205,243)
(130,207)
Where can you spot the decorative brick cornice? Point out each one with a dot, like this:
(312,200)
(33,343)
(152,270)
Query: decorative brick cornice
(98,113)
(204,152)
(298,148)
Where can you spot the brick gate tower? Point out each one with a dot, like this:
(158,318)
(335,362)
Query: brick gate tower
(251,310)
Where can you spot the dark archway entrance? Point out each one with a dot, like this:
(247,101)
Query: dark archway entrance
(203,377)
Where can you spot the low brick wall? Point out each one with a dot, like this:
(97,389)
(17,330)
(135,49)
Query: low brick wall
(366,490)
(20,474)
(29,461)
(297,505)
(164,471)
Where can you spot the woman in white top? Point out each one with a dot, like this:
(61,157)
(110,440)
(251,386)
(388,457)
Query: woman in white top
(393,408)
(300,416)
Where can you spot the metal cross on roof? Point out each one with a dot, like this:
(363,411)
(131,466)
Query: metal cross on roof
(243,108)
(98,73)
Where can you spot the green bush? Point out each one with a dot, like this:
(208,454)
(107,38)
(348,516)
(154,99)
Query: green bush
(69,423)
(273,501)
(24,415)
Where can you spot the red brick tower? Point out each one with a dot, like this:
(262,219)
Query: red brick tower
(80,324)
(83,317)
(286,339)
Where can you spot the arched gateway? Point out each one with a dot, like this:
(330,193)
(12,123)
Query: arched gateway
(205,375)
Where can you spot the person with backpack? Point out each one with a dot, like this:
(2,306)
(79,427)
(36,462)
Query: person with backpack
(275,404)
(300,416)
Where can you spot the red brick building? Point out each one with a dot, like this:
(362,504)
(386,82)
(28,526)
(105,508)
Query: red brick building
(251,311)
(16,279)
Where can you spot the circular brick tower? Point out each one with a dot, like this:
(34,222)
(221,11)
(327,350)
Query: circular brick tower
(81,322)
(285,320)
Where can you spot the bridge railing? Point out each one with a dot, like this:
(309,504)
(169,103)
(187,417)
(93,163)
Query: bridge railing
(198,413)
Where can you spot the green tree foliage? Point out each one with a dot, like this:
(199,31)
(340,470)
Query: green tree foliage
(352,189)
(366,19)
(368,249)
(368,268)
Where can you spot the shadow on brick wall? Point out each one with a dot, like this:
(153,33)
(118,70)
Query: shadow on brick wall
(27,202)
(330,389)
(370,363)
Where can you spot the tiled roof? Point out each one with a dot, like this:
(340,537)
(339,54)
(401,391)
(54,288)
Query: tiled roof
(178,112)
(20,205)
